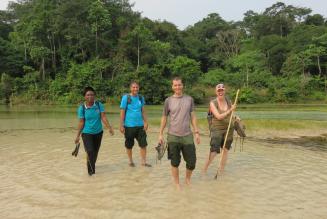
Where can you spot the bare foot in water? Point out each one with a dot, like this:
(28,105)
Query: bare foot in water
(178,187)
(187,182)
(204,173)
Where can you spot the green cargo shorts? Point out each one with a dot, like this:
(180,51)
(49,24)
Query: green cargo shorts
(137,133)
(217,141)
(184,144)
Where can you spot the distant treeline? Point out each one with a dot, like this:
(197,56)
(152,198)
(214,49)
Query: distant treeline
(51,49)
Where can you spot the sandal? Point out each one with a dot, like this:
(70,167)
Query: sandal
(147,165)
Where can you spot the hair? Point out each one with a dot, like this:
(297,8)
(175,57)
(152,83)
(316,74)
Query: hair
(86,89)
(133,82)
(176,79)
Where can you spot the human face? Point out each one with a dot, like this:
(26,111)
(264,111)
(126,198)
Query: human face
(89,96)
(220,92)
(134,89)
(177,87)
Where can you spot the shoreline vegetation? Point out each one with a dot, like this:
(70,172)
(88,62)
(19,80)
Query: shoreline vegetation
(263,121)
(51,50)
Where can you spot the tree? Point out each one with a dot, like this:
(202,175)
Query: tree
(317,52)
(6,86)
(275,49)
(40,55)
(140,37)
(11,61)
(100,20)
(186,68)
(248,64)
(316,19)
(229,42)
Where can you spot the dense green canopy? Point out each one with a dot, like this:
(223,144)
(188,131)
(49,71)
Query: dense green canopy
(51,49)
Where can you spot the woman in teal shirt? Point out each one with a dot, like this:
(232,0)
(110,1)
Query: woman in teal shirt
(90,115)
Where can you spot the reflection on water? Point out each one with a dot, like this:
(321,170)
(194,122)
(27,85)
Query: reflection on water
(40,179)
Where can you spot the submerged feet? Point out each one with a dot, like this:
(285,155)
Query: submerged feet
(144,165)
(178,187)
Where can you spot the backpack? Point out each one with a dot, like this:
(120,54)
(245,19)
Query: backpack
(129,101)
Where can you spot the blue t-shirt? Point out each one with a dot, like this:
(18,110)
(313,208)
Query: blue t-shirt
(133,114)
(92,120)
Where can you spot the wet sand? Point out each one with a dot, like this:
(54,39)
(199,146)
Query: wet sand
(40,179)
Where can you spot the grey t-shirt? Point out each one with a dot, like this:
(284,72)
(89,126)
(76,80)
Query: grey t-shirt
(179,110)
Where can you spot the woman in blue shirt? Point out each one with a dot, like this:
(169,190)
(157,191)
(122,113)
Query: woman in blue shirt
(90,115)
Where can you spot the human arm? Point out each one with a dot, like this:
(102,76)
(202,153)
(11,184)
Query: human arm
(162,127)
(123,108)
(195,127)
(220,116)
(79,130)
(106,123)
(122,119)
(145,119)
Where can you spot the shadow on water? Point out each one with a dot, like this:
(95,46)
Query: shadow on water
(316,143)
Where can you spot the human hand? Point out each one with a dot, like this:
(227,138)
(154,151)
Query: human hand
(111,131)
(161,139)
(197,138)
(146,126)
(77,139)
(122,129)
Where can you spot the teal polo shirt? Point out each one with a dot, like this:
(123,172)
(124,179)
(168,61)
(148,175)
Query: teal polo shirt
(92,118)
(133,110)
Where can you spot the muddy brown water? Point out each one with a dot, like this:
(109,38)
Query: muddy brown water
(271,178)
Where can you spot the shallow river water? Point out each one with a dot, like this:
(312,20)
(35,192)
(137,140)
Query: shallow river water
(40,179)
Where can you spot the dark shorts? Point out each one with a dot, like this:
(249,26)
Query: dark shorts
(217,142)
(137,133)
(184,144)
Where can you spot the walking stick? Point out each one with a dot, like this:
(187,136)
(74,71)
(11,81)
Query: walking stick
(230,121)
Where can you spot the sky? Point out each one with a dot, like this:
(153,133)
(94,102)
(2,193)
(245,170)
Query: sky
(187,12)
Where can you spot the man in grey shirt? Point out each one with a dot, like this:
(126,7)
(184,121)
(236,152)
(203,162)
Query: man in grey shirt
(180,109)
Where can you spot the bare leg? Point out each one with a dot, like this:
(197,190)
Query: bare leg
(211,156)
(188,176)
(175,174)
(223,160)
(130,156)
(143,155)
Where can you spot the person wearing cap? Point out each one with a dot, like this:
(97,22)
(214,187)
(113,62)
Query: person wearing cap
(180,110)
(221,109)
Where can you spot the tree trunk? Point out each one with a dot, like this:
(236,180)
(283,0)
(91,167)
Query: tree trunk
(43,70)
(247,76)
(52,50)
(319,67)
(96,38)
(303,68)
(281,30)
(25,52)
(54,62)
(138,54)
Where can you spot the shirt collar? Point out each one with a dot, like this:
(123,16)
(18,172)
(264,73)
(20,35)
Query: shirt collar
(86,107)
